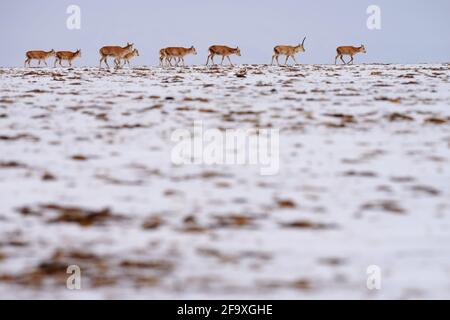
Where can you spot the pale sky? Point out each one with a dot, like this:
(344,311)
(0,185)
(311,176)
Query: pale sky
(412,31)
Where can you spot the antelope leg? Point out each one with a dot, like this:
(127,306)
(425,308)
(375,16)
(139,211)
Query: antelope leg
(231,63)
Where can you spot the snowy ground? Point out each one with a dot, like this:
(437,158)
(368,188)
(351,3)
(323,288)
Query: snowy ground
(86,179)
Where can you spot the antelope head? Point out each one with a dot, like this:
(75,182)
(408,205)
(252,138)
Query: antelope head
(238,51)
(362,49)
(136,52)
(193,51)
(301,47)
(52,52)
(78,53)
(129,46)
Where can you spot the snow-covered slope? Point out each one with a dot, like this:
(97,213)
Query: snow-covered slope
(86,179)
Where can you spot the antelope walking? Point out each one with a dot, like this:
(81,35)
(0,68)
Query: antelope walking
(164,57)
(116,52)
(223,51)
(38,55)
(176,53)
(348,51)
(288,51)
(126,58)
(66,55)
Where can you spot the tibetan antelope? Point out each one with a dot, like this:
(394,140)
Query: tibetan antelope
(176,53)
(38,55)
(348,51)
(223,51)
(288,51)
(116,52)
(66,55)
(126,58)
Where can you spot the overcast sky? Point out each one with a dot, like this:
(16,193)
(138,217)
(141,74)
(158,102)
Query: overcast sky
(412,31)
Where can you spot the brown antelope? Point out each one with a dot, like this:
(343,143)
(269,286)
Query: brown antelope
(126,58)
(66,55)
(348,51)
(38,55)
(116,52)
(223,51)
(288,51)
(176,53)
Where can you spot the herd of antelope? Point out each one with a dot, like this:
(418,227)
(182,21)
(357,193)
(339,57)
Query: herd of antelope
(123,55)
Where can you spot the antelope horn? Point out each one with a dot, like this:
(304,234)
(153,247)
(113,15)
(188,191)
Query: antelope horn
(303,41)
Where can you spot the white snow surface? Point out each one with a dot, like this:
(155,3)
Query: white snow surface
(364,180)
